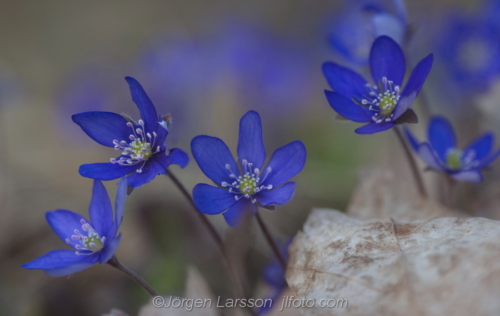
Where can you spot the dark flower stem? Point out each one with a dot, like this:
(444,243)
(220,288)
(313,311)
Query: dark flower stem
(202,217)
(270,240)
(213,232)
(413,165)
(117,264)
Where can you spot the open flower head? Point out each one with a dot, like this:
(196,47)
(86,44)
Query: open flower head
(442,154)
(94,240)
(243,185)
(142,143)
(384,103)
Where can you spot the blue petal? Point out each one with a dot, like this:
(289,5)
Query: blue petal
(103,127)
(277,196)
(250,143)
(105,171)
(347,108)
(418,76)
(61,262)
(415,144)
(441,136)
(109,250)
(146,107)
(64,223)
(488,160)
(155,165)
(100,209)
(236,214)
(121,196)
(212,155)
(387,60)
(212,200)
(480,147)
(285,163)
(427,155)
(178,157)
(373,128)
(403,105)
(468,176)
(161,134)
(344,81)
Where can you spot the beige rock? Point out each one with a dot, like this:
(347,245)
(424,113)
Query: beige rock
(380,194)
(438,266)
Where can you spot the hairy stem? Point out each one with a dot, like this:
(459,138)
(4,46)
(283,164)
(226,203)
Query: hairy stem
(213,232)
(202,217)
(413,165)
(271,241)
(117,264)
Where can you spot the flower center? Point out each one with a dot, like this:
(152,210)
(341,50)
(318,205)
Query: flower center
(381,100)
(454,159)
(139,149)
(86,244)
(249,183)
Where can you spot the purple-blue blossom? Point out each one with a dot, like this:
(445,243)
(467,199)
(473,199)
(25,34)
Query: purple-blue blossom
(469,49)
(384,103)
(441,152)
(92,241)
(244,185)
(142,143)
(354,29)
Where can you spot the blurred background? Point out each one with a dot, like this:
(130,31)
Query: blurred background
(206,63)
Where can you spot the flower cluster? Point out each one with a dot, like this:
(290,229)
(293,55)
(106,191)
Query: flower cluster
(243,184)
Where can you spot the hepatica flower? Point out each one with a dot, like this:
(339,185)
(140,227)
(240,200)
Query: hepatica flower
(442,154)
(469,47)
(359,23)
(385,103)
(242,186)
(92,241)
(141,143)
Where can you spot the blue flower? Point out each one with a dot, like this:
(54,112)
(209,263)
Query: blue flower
(142,143)
(274,278)
(94,241)
(359,23)
(381,105)
(441,152)
(242,187)
(469,47)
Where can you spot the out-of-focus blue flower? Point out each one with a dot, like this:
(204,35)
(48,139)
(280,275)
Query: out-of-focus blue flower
(381,105)
(94,241)
(441,152)
(356,27)
(267,72)
(469,47)
(274,278)
(241,187)
(142,143)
